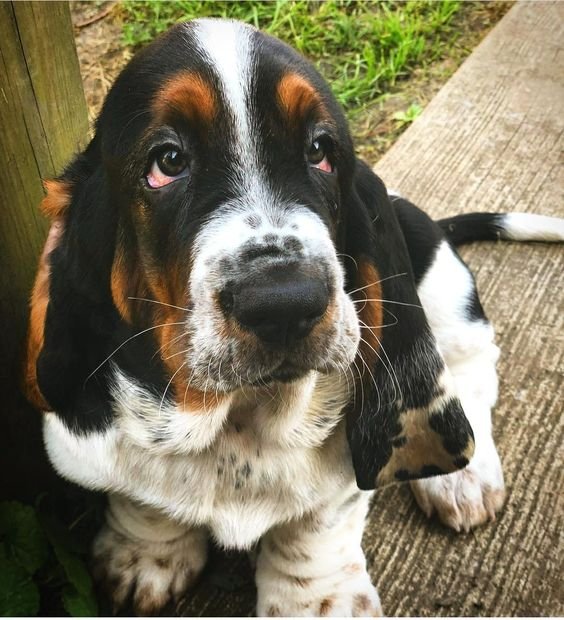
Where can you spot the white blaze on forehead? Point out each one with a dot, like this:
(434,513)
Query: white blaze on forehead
(227,46)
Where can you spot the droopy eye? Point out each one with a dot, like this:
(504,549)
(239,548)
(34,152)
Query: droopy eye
(169,165)
(317,157)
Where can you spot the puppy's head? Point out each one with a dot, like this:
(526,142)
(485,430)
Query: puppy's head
(218,233)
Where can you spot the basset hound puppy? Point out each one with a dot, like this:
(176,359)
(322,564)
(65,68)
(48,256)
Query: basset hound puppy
(237,332)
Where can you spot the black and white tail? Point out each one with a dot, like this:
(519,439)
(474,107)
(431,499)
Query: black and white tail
(470,227)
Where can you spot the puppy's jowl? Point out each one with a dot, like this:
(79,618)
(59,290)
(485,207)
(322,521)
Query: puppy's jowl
(237,333)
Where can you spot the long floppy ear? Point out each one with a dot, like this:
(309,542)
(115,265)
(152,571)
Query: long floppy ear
(74,322)
(80,316)
(406,421)
(67,303)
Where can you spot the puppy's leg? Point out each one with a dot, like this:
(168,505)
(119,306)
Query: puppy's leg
(142,554)
(469,497)
(315,566)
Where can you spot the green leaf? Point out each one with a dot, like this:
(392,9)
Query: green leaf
(79,605)
(23,536)
(404,118)
(74,568)
(18,593)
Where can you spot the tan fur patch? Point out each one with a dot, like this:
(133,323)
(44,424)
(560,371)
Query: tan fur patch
(298,98)
(189,94)
(120,286)
(38,311)
(57,199)
(370,312)
(423,444)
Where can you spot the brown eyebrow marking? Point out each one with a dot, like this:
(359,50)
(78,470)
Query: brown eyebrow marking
(189,94)
(298,98)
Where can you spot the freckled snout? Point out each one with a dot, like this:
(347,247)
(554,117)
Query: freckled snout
(280,306)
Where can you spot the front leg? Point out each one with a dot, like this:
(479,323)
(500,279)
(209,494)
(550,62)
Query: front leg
(315,566)
(142,554)
(473,495)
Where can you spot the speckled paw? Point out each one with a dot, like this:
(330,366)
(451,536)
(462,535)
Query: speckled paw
(148,574)
(466,498)
(358,600)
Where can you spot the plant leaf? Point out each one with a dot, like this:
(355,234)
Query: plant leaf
(75,569)
(18,593)
(79,605)
(23,535)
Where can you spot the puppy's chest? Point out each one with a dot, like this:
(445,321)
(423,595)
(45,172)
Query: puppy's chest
(239,470)
(245,482)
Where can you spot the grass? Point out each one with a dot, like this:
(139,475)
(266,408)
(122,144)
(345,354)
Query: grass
(362,47)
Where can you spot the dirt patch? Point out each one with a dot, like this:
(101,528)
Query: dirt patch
(101,52)
(102,55)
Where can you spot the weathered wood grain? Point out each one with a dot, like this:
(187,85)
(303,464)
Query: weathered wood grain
(493,140)
(43,122)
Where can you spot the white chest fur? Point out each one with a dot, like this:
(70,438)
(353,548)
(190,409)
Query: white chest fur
(260,459)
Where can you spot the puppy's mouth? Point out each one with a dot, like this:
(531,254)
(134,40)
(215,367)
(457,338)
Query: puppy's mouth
(285,373)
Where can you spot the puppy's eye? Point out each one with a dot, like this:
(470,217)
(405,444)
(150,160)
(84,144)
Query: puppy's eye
(317,157)
(169,165)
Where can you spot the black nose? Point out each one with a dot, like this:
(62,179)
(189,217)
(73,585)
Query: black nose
(280,307)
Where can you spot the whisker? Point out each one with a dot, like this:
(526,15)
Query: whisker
(372,376)
(397,275)
(349,256)
(389,301)
(361,385)
(391,367)
(175,354)
(168,344)
(161,303)
(218,382)
(168,385)
(133,118)
(190,380)
(206,384)
(371,327)
(124,343)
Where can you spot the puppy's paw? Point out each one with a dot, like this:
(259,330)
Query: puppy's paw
(465,498)
(147,573)
(296,597)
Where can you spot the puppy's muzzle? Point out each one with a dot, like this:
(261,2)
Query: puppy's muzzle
(280,305)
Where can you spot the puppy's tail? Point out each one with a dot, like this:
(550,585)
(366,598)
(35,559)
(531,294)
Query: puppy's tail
(469,227)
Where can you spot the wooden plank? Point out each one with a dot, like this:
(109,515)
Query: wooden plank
(43,121)
(492,140)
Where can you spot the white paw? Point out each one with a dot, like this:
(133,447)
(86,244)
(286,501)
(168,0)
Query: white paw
(294,596)
(151,573)
(465,498)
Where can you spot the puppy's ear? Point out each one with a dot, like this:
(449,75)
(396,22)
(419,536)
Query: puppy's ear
(71,306)
(406,421)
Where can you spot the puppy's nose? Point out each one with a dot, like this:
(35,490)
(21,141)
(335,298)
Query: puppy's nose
(280,307)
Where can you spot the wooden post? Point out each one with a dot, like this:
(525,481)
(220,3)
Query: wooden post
(43,122)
